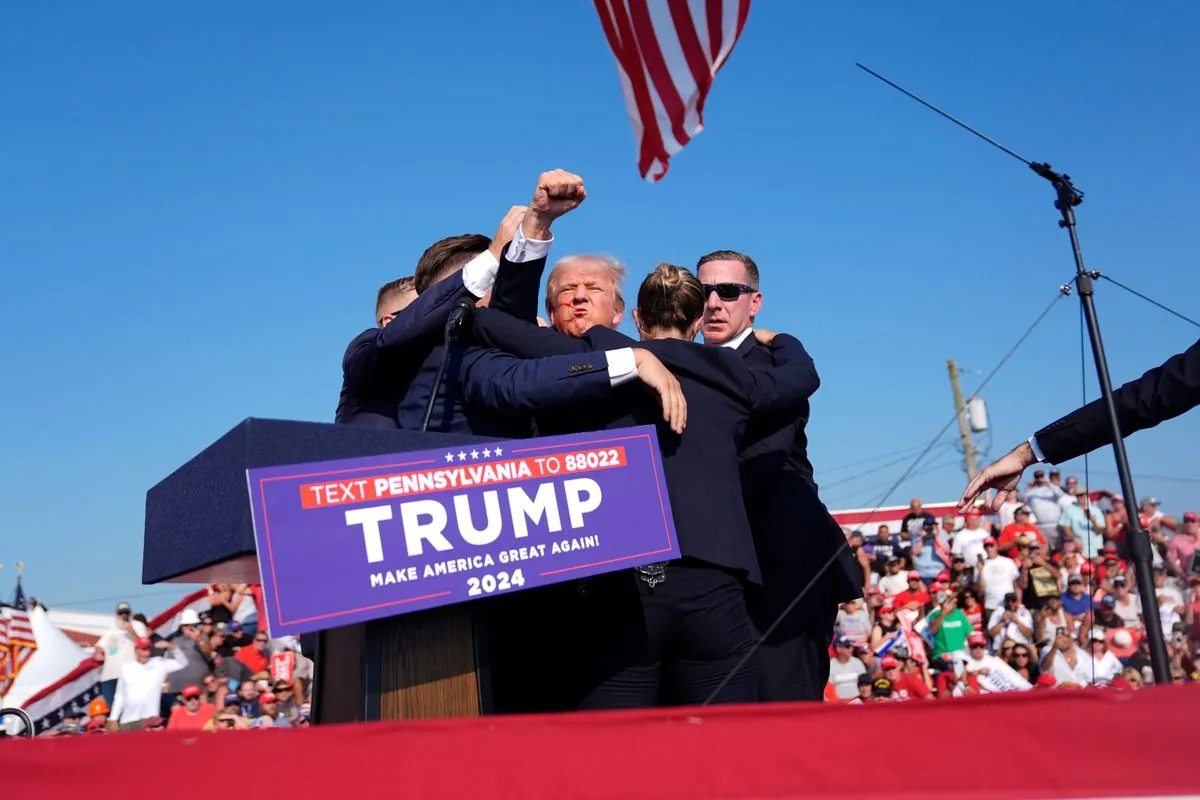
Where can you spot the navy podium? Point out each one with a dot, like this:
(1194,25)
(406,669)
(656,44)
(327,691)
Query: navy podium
(436,663)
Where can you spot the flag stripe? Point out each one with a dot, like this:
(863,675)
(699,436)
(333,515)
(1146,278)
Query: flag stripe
(653,151)
(664,82)
(667,54)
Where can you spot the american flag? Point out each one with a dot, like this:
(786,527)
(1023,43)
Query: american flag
(21,642)
(668,52)
(5,664)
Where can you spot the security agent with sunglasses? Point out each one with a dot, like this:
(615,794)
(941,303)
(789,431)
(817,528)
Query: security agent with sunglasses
(794,534)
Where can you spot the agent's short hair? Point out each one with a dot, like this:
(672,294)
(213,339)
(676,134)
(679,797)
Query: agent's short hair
(733,255)
(446,256)
(390,290)
(615,269)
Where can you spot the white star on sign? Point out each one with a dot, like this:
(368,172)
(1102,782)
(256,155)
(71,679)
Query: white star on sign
(462,456)
(499,451)
(474,454)
(449,457)
(487,453)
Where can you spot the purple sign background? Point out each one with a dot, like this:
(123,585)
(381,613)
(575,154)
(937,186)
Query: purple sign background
(346,541)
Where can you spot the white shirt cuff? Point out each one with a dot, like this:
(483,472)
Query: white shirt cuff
(622,367)
(1037,451)
(480,273)
(523,249)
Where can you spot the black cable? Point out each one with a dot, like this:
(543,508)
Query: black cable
(1151,301)
(1087,481)
(907,473)
(876,486)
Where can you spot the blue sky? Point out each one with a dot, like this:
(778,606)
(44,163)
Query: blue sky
(199,204)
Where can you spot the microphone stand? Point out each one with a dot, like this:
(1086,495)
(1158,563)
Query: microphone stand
(1139,540)
(1067,197)
(453,323)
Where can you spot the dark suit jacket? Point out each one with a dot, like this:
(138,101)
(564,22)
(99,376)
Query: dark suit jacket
(380,363)
(506,386)
(385,366)
(701,466)
(1163,393)
(794,533)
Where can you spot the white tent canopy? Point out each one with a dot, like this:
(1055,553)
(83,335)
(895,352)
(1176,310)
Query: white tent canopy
(56,655)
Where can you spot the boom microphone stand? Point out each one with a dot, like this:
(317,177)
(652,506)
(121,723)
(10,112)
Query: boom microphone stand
(1066,198)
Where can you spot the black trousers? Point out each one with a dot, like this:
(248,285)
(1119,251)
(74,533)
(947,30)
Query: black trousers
(637,647)
(793,662)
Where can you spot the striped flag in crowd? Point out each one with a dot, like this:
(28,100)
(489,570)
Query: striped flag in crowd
(21,642)
(5,665)
(668,52)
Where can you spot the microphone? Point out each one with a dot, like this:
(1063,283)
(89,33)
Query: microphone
(462,313)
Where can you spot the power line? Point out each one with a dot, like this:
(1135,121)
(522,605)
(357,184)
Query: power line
(910,449)
(178,591)
(870,471)
(1149,477)
(1062,292)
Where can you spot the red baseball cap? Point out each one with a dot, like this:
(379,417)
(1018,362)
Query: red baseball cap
(266,697)
(989,540)
(191,690)
(143,643)
(1191,516)
(888,662)
(1046,681)
(887,608)
(914,575)
(944,576)
(976,638)
(972,512)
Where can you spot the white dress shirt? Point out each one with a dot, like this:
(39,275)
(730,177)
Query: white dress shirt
(140,687)
(479,275)
(736,341)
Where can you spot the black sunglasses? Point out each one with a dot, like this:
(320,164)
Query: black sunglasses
(727,291)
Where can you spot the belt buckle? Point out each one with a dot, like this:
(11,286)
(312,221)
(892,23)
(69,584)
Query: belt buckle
(652,574)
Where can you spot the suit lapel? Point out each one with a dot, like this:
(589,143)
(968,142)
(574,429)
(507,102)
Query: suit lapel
(747,346)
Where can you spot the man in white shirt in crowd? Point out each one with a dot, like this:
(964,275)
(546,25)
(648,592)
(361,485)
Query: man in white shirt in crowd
(140,685)
(844,670)
(1129,605)
(116,647)
(1084,523)
(1043,496)
(968,542)
(1012,621)
(999,576)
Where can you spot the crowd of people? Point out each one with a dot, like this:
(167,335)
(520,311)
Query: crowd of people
(1041,596)
(211,673)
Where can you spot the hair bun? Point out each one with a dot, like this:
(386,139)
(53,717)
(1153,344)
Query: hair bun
(670,298)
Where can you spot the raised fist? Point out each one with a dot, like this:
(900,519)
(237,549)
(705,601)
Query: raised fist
(557,193)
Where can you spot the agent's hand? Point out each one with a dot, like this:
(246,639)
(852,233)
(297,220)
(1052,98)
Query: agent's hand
(507,229)
(670,394)
(764,336)
(1003,475)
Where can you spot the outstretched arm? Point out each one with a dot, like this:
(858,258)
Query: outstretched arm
(505,384)
(522,339)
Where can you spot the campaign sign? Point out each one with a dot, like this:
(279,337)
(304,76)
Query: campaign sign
(346,541)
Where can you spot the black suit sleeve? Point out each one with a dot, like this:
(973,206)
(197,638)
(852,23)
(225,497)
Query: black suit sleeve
(522,339)
(791,380)
(515,291)
(507,385)
(1163,393)
(422,319)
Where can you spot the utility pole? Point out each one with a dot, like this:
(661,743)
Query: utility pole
(963,428)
